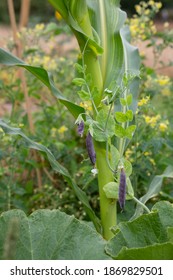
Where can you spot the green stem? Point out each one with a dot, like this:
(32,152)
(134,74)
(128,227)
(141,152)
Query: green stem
(108,211)
(141,204)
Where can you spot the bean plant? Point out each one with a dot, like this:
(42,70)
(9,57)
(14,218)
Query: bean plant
(107,77)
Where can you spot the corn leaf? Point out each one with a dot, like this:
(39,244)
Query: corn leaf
(41,74)
(100,24)
(57,167)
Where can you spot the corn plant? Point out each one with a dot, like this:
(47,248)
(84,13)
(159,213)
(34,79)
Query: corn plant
(108,79)
(108,68)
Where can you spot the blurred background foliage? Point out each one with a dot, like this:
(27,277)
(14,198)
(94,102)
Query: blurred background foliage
(42,11)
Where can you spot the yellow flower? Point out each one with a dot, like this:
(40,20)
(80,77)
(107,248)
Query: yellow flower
(144,101)
(158,5)
(147,154)
(142,54)
(86,105)
(152,161)
(53,131)
(151,3)
(151,120)
(163,126)
(58,15)
(138,9)
(143,37)
(153,29)
(62,129)
(128,153)
(39,27)
(147,11)
(163,80)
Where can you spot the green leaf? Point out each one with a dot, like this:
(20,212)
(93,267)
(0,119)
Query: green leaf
(103,128)
(121,117)
(120,131)
(115,157)
(129,115)
(102,27)
(48,235)
(77,17)
(131,65)
(9,59)
(165,211)
(107,19)
(79,68)
(144,238)
(170,234)
(162,251)
(79,82)
(130,190)
(153,189)
(119,56)
(57,167)
(130,131)
(129,99)
(84,95)
(127,167)
(111,190)
(123,102)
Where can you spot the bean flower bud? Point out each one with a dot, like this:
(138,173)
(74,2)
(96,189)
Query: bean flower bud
(90,148)
(80,129)
(122,189)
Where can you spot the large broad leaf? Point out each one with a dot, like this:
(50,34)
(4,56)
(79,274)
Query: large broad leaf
(7,58)
(162,251)
(48,235)
(153,190)
(56,167)
(147,237)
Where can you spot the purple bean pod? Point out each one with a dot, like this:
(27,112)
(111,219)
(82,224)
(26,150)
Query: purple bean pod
(90,148)
(122,189)
(80,129)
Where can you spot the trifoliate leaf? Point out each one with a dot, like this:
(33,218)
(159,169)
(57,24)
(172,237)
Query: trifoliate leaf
(84,95)
(130,131)
(123,102)
(121,117)
(79,82)
(129,99)
(129,115)
(79,68)
(120,131)
(127,167)
(103,128)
